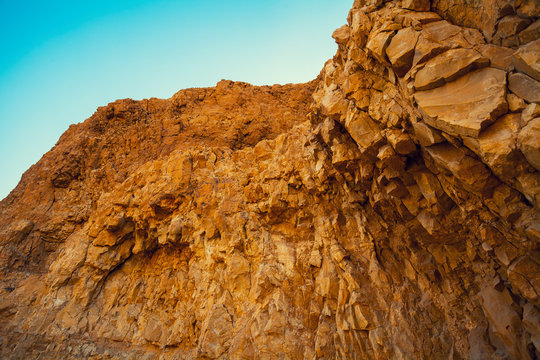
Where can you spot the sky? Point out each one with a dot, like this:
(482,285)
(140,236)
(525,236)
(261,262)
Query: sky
(61,59)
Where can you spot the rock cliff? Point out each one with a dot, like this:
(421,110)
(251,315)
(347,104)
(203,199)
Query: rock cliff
(387,210)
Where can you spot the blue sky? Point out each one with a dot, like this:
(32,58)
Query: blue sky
(60,60)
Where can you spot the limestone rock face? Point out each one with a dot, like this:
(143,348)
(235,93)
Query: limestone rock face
(388,209)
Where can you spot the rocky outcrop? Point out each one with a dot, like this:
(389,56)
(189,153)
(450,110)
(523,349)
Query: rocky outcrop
(389,209)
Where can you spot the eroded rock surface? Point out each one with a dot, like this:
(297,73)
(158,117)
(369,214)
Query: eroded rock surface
(387,210)
(464,106)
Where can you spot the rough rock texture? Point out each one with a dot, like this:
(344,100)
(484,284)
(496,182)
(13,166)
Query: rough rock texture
(359,216)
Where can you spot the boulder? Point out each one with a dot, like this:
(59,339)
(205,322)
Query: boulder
(362,129)
(426,49)
(525,87)
(507,28)
(471,172)
(530,112)
(528,9)
(401,50)
(527,59)
(499,57)
(445,33)
(447,67)
(531,33)
(503,318)
(524,274)
(401,142)
(333,104)
(497,145)
(426,135)
(515,103)
(529,142)
(377,43)
(417,5)
(529,185)
(467,105)
(417,19)
(342,34)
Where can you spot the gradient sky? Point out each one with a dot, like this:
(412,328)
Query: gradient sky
(60,60)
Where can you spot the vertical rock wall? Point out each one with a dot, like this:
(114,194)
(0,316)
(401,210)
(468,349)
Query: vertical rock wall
(444,118)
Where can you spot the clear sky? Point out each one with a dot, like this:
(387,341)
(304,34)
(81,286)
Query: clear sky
(61,59)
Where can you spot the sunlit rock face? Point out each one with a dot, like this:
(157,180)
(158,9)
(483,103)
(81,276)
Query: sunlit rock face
(387,210)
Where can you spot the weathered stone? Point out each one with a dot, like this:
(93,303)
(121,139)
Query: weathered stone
(400,51)
(515,103)
(426,135)
(443,32)
(360,25)
(482,15)
(524,274)
(528,8)
(427,49)
(377,44)
(417,19)
(401,142)
(499,57)
(531,321)
(363,129)
(525,87)
(529,185)
(19,230)
(480,348)
(497,145)
(388,25)
(506,202)
(332,100)
(447,67)
(342,35)
(396,188)
(467,105)
(429,222)
(466,169)
(115,222)
(417,5)
(530,33)
(429,186)
(507,28)
(527,59)
(530,112)
(388,157)
(504,319)
(357,87)
(529,142)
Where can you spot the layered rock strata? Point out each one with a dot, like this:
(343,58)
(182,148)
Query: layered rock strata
(387,210)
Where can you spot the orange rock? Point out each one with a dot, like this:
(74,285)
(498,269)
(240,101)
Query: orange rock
(525,87)
(527,59)
(448,67)
(467,105)
(296,221)
(400,51)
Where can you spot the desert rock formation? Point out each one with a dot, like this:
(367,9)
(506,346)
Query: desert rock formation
(387,210)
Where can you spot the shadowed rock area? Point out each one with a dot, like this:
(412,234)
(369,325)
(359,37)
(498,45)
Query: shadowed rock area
(388,209)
